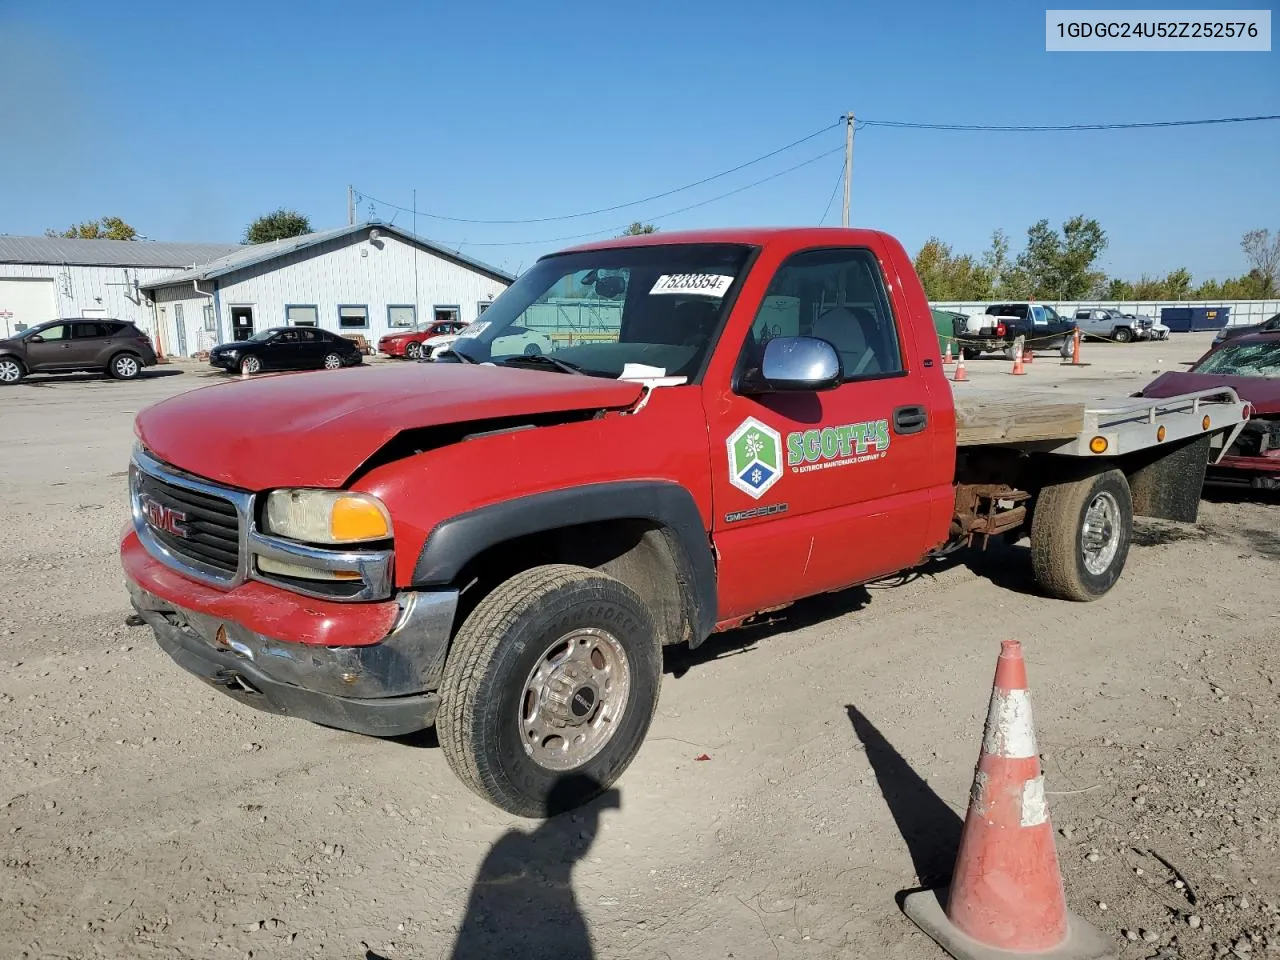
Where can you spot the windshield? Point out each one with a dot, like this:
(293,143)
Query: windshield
(29,332)
(1244,360)
(263,335)
(659,307)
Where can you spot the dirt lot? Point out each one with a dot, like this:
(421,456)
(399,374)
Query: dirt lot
(143,816)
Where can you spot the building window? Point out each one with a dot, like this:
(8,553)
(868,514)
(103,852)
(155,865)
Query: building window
(353,318)
(482,306)
(209,325)
(302,315)
(446,314)
(402,315)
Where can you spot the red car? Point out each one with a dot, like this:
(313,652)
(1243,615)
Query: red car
(1251,366)
(409,343)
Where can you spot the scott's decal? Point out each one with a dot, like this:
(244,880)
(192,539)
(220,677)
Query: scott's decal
(827,447)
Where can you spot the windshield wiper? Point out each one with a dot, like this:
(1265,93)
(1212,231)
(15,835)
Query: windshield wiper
(564,366)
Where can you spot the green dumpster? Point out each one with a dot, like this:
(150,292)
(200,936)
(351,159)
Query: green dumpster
(944,322)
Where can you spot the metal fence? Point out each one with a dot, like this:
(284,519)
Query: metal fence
(1242,312)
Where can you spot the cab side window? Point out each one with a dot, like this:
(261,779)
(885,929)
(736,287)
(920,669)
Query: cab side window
(837,295)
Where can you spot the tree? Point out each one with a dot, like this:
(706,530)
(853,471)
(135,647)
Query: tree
(276,225)
(1263,254)
(946,276)
(1061,266)
(638,229)
(104,228)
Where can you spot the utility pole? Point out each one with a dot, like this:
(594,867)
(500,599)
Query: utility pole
(351,205)
(848,164)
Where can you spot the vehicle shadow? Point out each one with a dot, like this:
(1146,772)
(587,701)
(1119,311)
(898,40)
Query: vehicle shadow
(52,379)
(679,660)
(928,825)
(522,902)
(1229,493)
(1006,565)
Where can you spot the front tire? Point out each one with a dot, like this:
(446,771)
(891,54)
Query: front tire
(1080,532)
(413,351)
(549,689)
(125,366)
(1122,335)
(250,365)
(11,371)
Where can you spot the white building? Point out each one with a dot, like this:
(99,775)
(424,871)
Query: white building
(46,278)
(367,279)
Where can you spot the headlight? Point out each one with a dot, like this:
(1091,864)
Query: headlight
(327,516)
(231,353)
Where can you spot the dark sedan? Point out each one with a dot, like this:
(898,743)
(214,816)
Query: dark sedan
(1251,366)
(1230,333)
(286,348)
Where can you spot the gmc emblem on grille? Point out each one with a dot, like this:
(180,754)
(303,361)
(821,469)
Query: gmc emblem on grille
(165,519)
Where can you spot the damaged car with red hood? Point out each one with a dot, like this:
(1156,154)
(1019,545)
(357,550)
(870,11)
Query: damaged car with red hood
(1251,366)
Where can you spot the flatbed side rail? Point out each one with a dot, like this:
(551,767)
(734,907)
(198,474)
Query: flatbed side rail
(1113,431)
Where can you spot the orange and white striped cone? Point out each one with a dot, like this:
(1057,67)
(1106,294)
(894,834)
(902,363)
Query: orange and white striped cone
(960,376)
(1018,370)
(1006,897)
(947,360)
(1028,355)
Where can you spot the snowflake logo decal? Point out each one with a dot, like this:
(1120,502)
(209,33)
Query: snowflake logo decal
(755,457)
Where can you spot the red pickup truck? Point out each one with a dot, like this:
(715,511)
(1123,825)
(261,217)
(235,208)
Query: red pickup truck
(501,544)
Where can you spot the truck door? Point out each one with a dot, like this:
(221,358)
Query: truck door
(817,491)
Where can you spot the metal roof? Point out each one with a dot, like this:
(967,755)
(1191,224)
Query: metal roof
(108,253)
(254,254)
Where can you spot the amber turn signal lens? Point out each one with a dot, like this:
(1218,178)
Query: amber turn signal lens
(1160,435)
(354,520)
(1098,444)
(1205,422)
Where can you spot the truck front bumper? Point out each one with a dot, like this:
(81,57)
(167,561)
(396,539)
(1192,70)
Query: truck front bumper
(382,689)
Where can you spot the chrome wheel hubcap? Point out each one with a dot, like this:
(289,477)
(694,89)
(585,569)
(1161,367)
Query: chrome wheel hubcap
(332,362)
(574,699)
(1100,536)
(127,367)
(9,371)
(252,365)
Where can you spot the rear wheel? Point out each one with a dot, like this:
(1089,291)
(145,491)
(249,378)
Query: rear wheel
(11,370)
(413,351)
(532,350)
(1080,532)
(332,361)
(549,689)
(124,366)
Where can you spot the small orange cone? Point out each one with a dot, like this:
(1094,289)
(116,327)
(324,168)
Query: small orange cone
(1075,348)
(960,376)
(948,359)
(1006,897)
(1028,355)
(1018,370)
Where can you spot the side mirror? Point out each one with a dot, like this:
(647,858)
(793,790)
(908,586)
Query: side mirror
(35,338)
(795,364)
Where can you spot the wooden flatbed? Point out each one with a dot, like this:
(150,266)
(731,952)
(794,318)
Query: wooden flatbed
(1001,416)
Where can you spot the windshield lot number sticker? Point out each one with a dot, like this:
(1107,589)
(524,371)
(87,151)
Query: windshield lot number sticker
(707,284)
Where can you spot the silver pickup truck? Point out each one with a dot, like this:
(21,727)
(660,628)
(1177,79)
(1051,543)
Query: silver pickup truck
(1113,325)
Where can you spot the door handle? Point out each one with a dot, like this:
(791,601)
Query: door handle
(911,419)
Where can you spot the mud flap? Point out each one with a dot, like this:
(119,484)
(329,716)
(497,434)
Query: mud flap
(1167,485)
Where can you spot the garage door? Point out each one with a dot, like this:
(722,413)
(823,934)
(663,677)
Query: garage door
(26,302)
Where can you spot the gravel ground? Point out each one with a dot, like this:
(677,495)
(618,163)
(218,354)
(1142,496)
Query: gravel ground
(142,815)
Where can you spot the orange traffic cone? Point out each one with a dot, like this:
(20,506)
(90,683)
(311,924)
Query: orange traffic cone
(1028,355)
(960,374)
(1075,348)
(1006,897)
(948,359)
(1018,370)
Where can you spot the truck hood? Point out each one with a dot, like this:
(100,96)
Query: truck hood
(1262,392)
(316,429)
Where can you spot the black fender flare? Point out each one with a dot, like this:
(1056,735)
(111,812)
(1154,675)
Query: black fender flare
(456,541)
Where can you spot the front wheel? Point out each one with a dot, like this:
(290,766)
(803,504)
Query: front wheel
(1122,335)
(11,371)
(413,351)
(549,689)
(1080,532)
(250,365)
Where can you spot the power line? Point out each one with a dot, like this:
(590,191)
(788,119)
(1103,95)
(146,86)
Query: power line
(831,199)
(618,206)
(661,216)
(1040,128)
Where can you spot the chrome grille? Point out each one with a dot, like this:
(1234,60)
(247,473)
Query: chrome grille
(210,523)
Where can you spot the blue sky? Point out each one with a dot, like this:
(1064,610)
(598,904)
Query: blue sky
(189,120)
